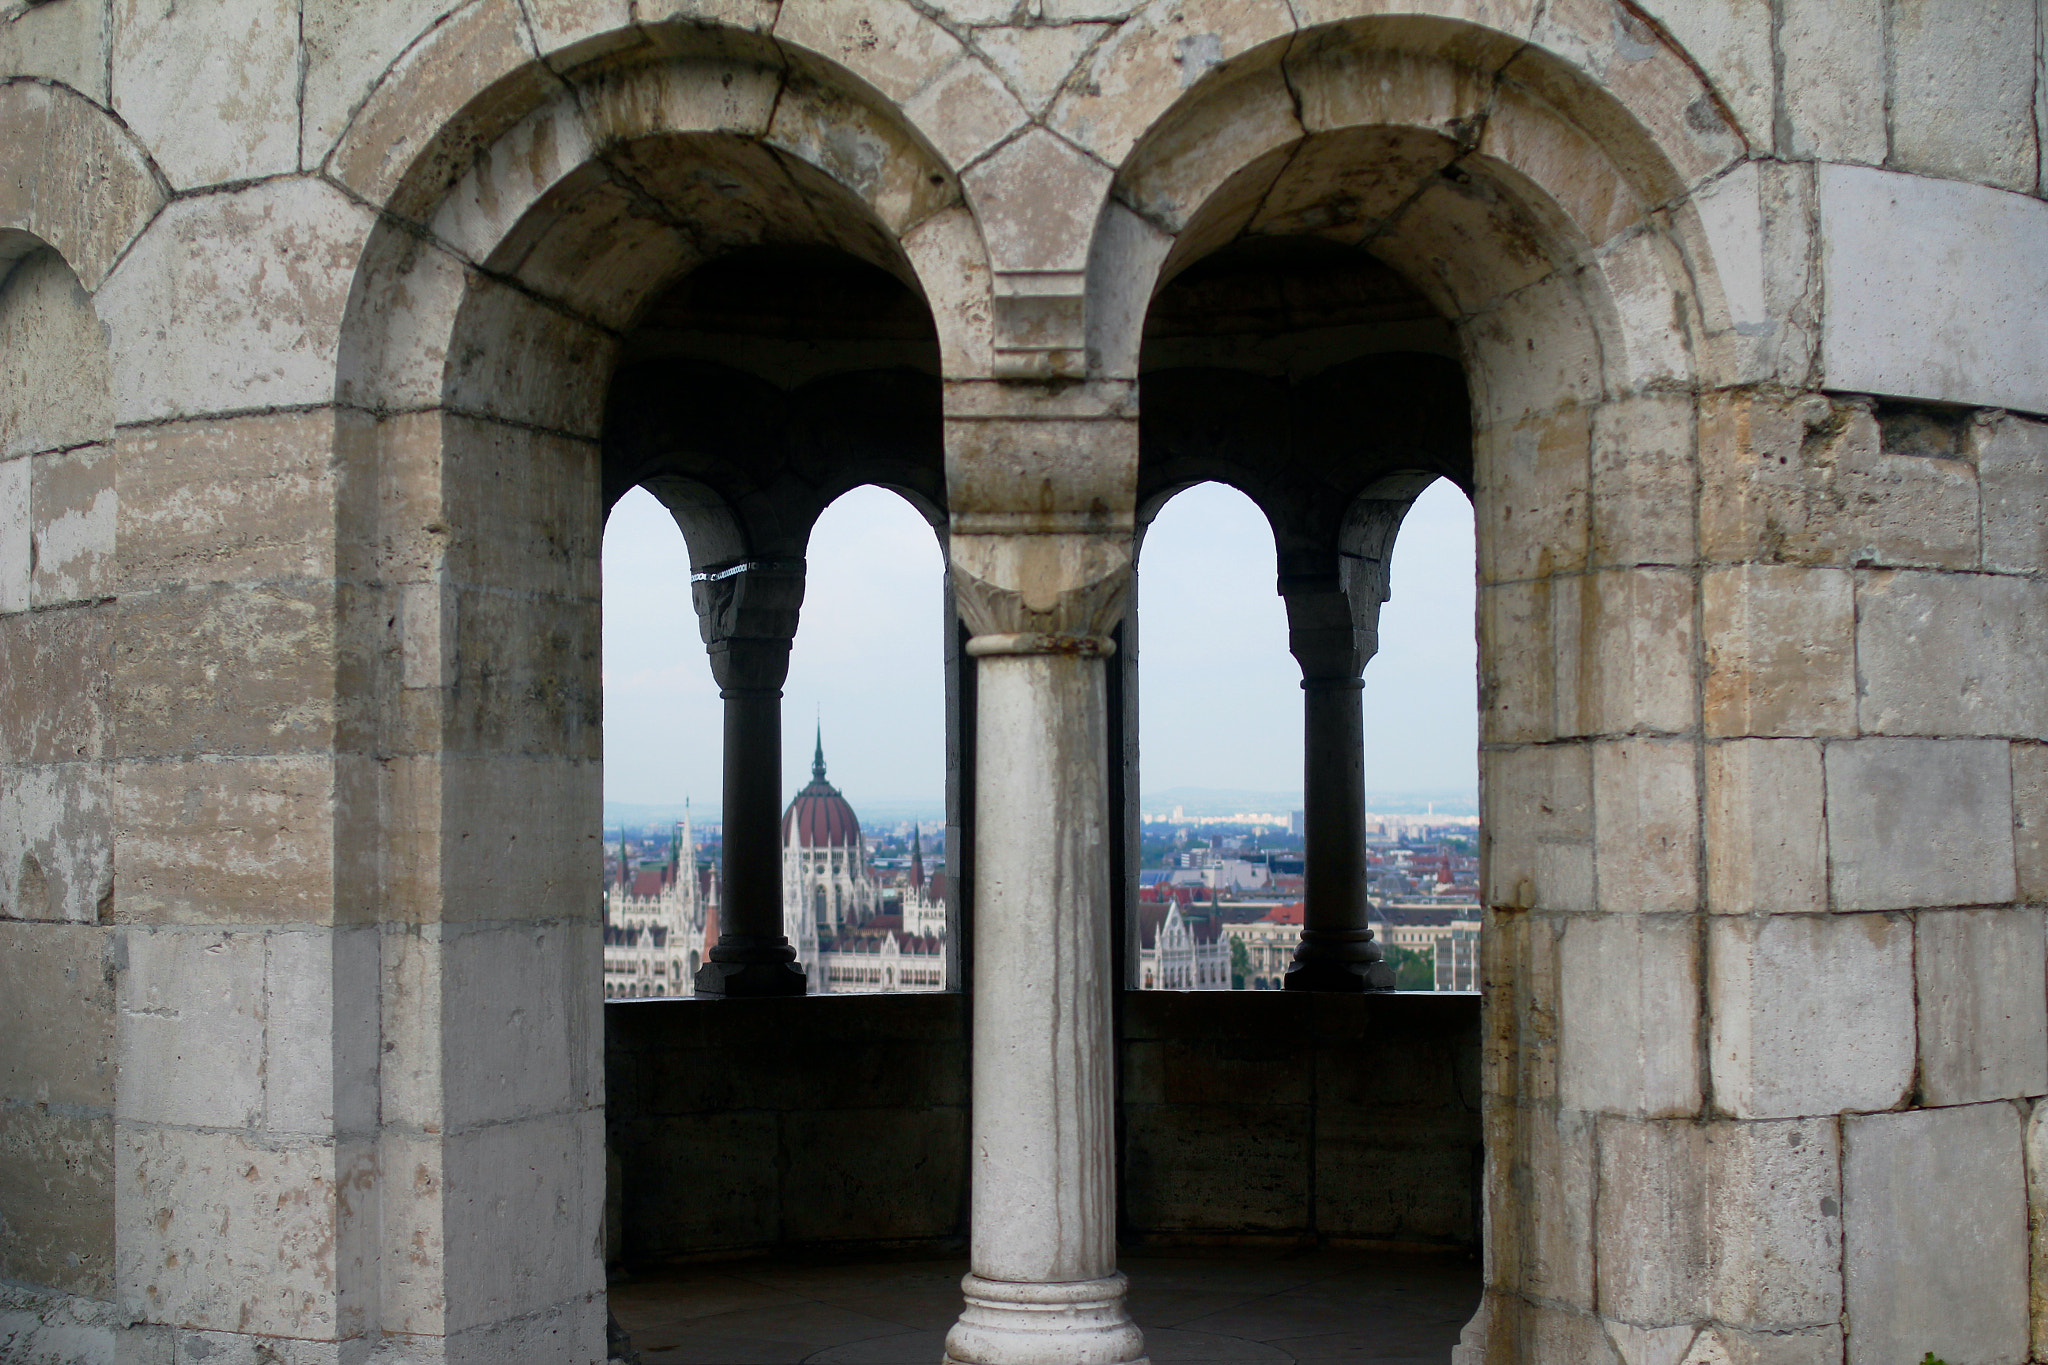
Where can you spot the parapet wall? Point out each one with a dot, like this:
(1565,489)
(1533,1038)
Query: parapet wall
(744,1126)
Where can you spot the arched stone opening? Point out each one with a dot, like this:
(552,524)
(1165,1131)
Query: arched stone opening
(695,277)
(60,607)
(1515,296)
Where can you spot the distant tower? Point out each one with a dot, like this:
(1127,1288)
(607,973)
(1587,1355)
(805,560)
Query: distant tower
(826,888)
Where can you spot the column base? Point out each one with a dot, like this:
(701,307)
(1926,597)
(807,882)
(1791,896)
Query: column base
(750,980)
(1339,977)
(1075,1322)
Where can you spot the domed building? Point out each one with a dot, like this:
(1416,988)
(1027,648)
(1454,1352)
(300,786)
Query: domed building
(849,934)
(825,883)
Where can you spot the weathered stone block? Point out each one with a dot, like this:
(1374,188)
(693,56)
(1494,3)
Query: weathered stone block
(1643,475)
(2012,468)
(1731,40)
(65,43)
(856,1174)
(1781,651)
(1035,60)
(347,48)
(54,132)
(1388,1176)
(1809,482)
(1654,1247)
(1935,1235)
(1962,92)
(1813,1014)
(2030,820)
(56,1015)
(1519,973)
(1975,335)
(2036,1145)
(221,1232)
(15,536)
(225,670)
(522,1204)
(244,500)
(520,509)
(1216,1168)
(1835,80)
(1950,654)
(72,502)
(191,1029)
(504,339)
(1983,1005)
(1646,797)
(680,1157)
(321,1043)
(1538,824)
(1539,1191)
(58,393)
(1536,358)
(57,1199)
(1766,827)
(1626,661)
(226,841)
(497,1024)
(510,828)
(56,842)
(214,91)
(262,271)
(1037,198)
(1531,498)
(54,690)
(968,110)
(1777,1266)
(1916,822)
(893,47)
(1666,1258)
(1629,1026)
(1133,77)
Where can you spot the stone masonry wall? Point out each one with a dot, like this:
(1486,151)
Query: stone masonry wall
(309,312)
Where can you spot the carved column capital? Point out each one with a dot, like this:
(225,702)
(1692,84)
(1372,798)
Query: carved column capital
(747,613)
(1041,592)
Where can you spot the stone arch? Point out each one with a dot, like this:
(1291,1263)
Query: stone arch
(58,770)
(51,134)
(486,380)
(1539,192)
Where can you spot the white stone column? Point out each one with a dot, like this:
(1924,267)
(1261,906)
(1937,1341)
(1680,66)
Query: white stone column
(1043,1287)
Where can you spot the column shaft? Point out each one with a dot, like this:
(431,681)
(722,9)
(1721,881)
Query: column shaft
(1044,1289)
(751,847)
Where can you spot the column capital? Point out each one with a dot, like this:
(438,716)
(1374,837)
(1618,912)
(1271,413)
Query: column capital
(747,613)
(1041,591)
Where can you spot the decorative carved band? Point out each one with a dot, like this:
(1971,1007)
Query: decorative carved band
(1039,642)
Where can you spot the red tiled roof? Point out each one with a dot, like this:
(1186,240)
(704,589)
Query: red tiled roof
(1291,913)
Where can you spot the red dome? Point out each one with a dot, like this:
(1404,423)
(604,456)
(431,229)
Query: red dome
(820,816)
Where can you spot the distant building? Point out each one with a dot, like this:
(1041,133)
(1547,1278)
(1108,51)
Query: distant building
(658,919)
(853,934)
(1180,952)
(1269,943)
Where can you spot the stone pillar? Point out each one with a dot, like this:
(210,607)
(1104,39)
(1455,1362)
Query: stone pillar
(1332,644)
(1043,1287)
(748,615)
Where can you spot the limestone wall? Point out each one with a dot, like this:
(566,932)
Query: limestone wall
(310,317)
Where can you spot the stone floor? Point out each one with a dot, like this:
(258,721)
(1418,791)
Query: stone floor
(1195,1306)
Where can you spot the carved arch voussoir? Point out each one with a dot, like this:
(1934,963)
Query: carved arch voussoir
(71,178)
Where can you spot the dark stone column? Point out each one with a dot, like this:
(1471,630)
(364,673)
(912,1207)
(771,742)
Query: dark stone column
(748,615)
(1338,951)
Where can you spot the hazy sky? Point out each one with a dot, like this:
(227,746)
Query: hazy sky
(1220,700)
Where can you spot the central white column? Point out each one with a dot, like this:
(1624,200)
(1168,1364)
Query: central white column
(1044,1289)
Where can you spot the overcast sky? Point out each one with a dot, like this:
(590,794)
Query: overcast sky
(1220,701)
